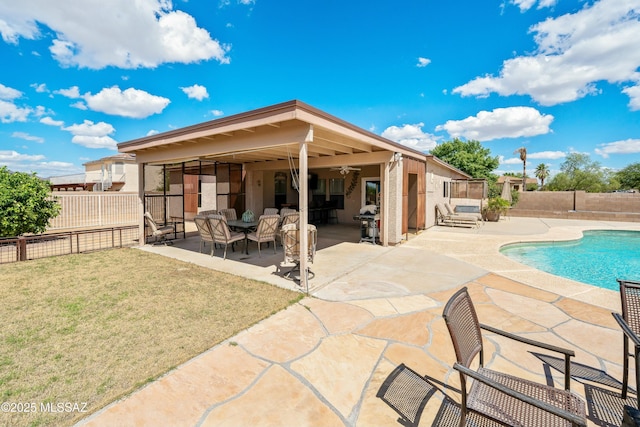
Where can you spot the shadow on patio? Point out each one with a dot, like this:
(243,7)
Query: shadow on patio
(338,252)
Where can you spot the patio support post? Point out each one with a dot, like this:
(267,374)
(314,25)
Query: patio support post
(303,199)
(141,207)
(384,217)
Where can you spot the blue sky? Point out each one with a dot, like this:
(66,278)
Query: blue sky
(554,76)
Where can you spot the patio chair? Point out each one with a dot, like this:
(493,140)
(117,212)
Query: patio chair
(230,214)
(204,230)
(286,211)
(158,232)
(266,231)
(506,398)
(221,233)
(290,218)
(454,220)
(290,236)
(270,211)
(629,321)
(208,212)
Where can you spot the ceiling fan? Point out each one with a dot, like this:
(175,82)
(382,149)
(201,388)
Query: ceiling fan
(345,169)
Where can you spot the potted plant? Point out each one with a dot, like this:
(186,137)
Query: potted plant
(494,207)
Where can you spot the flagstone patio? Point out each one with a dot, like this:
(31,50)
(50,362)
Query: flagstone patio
(322,361)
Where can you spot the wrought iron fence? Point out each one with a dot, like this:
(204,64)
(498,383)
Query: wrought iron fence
(46,245)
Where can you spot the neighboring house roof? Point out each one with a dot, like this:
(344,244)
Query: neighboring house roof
(120,157)
(269,138)
(516,180)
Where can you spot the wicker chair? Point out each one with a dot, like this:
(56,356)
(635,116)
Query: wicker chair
(221,233)
(630,324)
(505,398)
(204,230)
(290,236)
(159,232)
(266,232)
(229,214)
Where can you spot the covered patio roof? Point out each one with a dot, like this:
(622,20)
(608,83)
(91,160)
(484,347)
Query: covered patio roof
(282,136)
(267,138)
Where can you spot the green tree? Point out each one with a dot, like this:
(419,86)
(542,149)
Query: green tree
(25,202)
(542,172)
(470,157)
(629,177)
(579,172)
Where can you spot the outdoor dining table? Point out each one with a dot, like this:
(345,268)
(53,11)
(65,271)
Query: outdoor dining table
(245,227)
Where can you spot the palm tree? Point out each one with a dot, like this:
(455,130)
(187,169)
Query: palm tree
(542,173)
(523,157)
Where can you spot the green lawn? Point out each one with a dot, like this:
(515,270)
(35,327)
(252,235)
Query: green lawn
(91,328)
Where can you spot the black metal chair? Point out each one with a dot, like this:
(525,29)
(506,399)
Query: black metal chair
(508,399)
(630,324)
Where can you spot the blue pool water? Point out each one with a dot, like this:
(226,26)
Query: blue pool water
(599,258)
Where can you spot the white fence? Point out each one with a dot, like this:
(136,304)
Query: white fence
(85,210)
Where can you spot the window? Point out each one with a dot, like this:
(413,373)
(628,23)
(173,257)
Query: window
(336,192)
(319,194)
(118,168)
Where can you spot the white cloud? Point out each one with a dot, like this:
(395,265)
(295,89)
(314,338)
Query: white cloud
(512,122)
(525,5)
(8,93)
(217,113)
(40,88)
(152,132)
(73,92)
(10,156)
(120,33)
(131,102)
(628,146)
(92,135)
(9,112)
(80,105)
(633,93)
(19,162)
(196,92)
(423,62)
(411,136)
(575,52)
(546,155)
(98,34)
(510,161)
(27,137)
(50,122)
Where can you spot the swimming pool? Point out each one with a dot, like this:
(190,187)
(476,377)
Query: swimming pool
(599,258)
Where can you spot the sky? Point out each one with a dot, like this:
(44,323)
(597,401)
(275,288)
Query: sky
(552,76)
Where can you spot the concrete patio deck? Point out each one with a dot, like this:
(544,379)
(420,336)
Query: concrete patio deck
(322,361)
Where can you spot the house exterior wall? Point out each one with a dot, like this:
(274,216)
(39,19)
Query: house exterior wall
(124,175)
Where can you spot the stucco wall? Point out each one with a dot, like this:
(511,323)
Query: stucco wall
(579,205)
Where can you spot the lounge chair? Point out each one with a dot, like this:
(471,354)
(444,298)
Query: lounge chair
(160,233)
(505,398)
(452,211)
(454,220)
(629,322)
(204,230)
(221,233)
(266,231)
